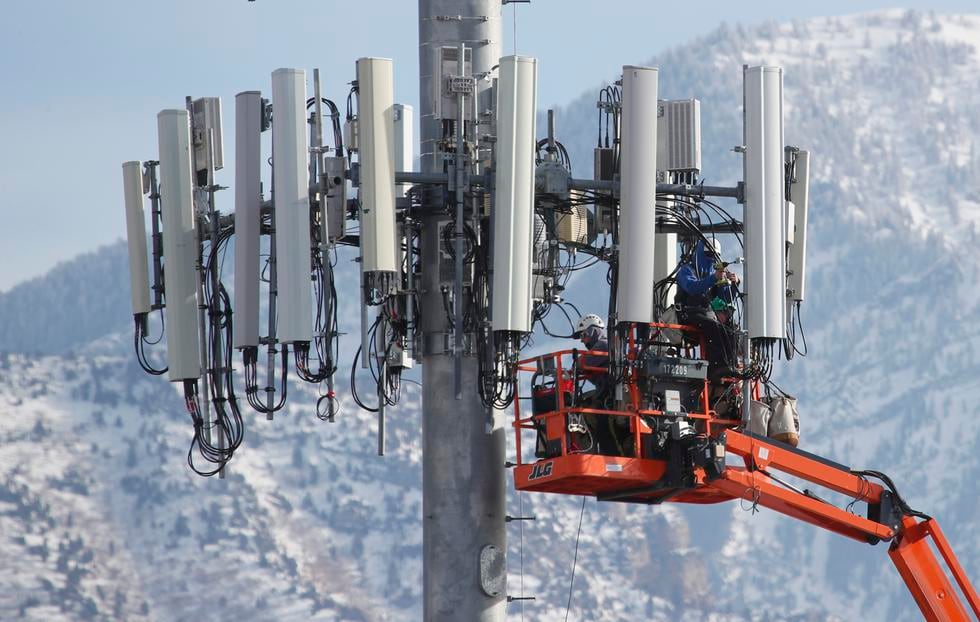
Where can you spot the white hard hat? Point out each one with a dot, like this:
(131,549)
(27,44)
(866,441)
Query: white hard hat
(716,244)
(588,321)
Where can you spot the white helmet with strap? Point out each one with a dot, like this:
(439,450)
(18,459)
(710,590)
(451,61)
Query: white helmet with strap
(588,321)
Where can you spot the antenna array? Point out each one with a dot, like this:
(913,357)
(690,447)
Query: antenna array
(459,263)
(527,183)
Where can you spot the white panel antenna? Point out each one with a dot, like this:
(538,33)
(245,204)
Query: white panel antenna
(139,280)
(209,145)
(665,260)
(291,197)
(796,261)
(248,189)
(180,246)
(404,143)
(765,228)
(375,117)
(513,211)
(638,184)
(404,128)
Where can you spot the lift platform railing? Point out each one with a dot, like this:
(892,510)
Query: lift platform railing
(567,370)
(564,370)
(637,337)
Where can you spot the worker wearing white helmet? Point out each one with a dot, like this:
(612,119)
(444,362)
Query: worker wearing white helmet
(591,330)
(608,433)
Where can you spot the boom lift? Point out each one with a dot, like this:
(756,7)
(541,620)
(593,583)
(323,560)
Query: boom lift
(678,453)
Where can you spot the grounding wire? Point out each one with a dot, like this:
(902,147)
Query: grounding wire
(571,581)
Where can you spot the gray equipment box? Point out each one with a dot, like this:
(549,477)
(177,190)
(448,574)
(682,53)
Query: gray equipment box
(679,136)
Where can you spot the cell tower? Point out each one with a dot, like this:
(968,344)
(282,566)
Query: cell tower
(463,260)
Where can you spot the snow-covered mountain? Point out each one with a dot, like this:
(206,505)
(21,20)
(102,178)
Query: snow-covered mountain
(101,519)
(34,312)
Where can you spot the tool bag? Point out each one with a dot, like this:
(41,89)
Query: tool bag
(784,423)
(759,415)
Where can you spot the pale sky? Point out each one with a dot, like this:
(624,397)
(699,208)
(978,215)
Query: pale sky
(81,81)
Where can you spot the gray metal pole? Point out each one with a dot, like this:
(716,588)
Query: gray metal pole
(270,372)
(157,239)
(463,489)
(460,173)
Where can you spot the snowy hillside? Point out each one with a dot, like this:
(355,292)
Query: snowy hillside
(101,519)
(105,521)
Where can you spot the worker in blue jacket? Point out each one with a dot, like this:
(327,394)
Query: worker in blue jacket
(705,299)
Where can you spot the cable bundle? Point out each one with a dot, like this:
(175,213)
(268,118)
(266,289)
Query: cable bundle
(249,360)
(140,341)
(228,425)
(325,324)
(498,376)
(215,441)
(386,333)
(794,331)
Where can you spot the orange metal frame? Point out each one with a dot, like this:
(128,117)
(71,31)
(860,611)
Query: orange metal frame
(639,479)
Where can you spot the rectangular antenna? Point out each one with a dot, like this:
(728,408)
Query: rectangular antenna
(679,136)
(799,192)
(334,171)
(291,197)
(404,143)
(180,246)
(665,258)
(139,280)
(209,146)
(248,199)
(375,115)
(513,210)
(638,184)
(447,66)
(405,162)
(765,228)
